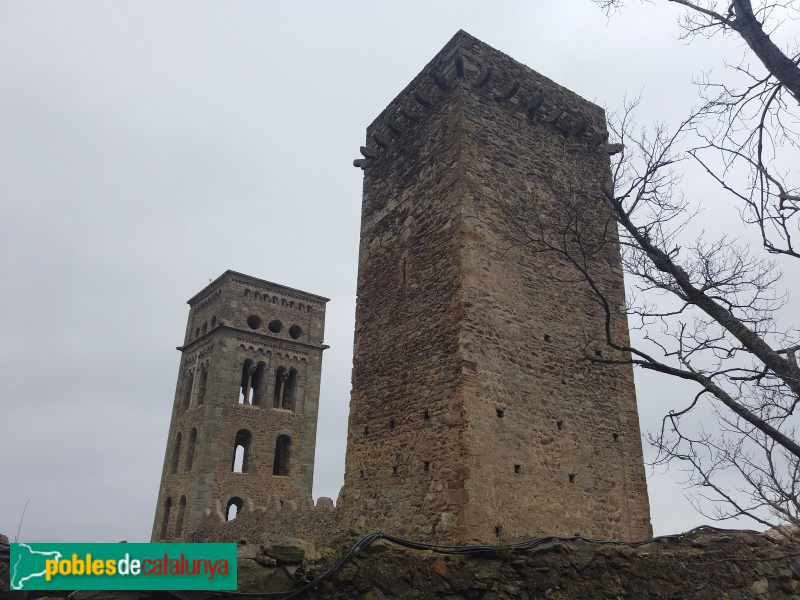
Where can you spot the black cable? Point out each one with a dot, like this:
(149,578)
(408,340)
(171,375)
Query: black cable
(531,544)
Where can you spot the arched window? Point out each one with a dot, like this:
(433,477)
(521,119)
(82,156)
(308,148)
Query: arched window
(234,506)
(190,449)
(213,322)
(258,381)
(280,384)
(201,385)
(188,382)
(246,388)
(179,519)
(283,447)
(165,517)
(205,327)
(290,390)
(176,454)
(241,451)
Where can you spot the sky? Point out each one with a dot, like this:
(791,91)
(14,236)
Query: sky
(148,146)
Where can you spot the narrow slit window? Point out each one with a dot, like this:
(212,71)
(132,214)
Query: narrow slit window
(257,384)
(190,449)
(179,518)
(165,518)
(283,446)
(201,385)
(290,391)
(280,385)
(188,383)
(176,454)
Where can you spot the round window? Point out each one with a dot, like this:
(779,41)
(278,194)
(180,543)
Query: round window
(295,331)
(275,326)
(254,321)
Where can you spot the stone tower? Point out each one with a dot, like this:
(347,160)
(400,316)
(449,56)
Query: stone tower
(244,419)
(479,410)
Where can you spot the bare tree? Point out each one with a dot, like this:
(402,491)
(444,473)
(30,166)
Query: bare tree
(708,310)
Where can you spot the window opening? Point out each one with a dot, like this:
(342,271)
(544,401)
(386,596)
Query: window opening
(282,455)
(165,519)
(176,454)
(280,383)
(290,390)
(179,519)
(241,451)
(258,379)
(234,506)
(245,388)
(188,383)
(201,387)
(190,449)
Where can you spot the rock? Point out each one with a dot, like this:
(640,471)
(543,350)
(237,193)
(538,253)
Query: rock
(253,577)
(441,569)
(265,561)
(760,587)
(287,550)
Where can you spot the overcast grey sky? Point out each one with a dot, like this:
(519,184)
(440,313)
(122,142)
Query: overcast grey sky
(147,146)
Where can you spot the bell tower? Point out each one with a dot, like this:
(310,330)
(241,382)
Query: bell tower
(244,418)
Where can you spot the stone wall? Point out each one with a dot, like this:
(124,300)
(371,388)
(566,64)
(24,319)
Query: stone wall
(702,566)
(302,519)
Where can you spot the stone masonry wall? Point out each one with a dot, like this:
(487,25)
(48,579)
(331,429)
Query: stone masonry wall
(555,445)
(475,412)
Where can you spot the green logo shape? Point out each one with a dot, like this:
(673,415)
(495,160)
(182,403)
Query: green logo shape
(123,567)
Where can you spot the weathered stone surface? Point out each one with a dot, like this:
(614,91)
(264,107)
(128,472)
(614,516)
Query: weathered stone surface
(475,413)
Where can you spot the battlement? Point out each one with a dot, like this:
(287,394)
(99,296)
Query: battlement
(466,62)
(295,519)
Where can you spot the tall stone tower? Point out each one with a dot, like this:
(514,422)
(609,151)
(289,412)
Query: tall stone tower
(478,409)
(244,420)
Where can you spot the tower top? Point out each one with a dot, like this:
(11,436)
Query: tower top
(479,59)
(231,275)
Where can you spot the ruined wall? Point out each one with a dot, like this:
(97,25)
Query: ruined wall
(250,380)
(475,412)
(300,519)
